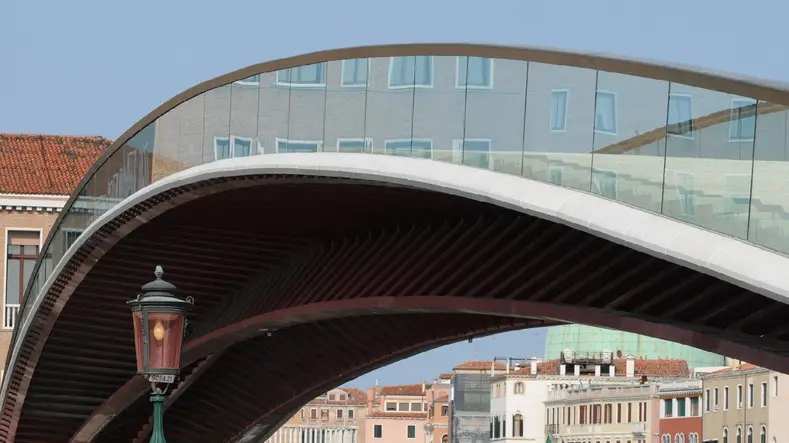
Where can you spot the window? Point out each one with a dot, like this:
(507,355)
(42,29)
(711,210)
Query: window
(444,410)
(726,398)
(716,399)
(324,414)
(303,76)
(250,81)
(694,407)
(750,395)
(742,125)
(342,397)
(518,388)
(391,406)
(668,407)
(474,72)
(681,407)
(725,435)
(350,414)
(775,386)
(411,431)
(290,146)
(411,71)
(763,435)
(472,152)
(410,148)
(665,438)
(750,434)
(21,255)
(739,434)
(739,396)
(355,145)
(403,407)
(339,414)
(763,393)
(355,72)
(313,414)
(559,110)
(604,183)
(233,146)
(686,193)
(517,425)
(680,115)
(416,407)
(605,112)
(331,397)
(679,438)
(445,438)
(378,431)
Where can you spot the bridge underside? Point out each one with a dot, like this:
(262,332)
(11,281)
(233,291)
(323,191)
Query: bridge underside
(349,275)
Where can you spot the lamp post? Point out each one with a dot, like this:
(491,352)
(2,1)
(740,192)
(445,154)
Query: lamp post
(159,323)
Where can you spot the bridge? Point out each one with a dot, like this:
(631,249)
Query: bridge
(337,211)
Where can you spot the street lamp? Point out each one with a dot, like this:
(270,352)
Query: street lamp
(159,323)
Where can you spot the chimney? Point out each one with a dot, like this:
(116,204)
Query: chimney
(534,362)
(424,386)
(630,366)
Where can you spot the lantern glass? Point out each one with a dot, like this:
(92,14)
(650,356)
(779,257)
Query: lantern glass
(165,334)
(138,340)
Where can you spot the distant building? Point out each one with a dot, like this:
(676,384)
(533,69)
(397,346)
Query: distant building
(534,402)
(583,339)
(337,416)
(680,411)
(745,404)
(437,427)
(469,407)
(398,413)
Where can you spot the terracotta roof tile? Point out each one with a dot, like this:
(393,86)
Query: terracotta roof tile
(742,367)
(383,414)
(648,367)
(445,376)
(479,365)
(404,390)
(46,164)
(354,396)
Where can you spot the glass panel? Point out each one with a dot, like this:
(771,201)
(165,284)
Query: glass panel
(307,110)
(244,120)
(708,167)
(216,125)
(769,207)
(389,111)
(410,71)
(560,156)
(13,281)
(438,115)
(138,342)
(179,139)
(496,116)
(273,113)
(165,332)
(628,164)
(345,107)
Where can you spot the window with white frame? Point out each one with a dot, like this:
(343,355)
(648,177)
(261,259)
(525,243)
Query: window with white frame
(556,174)
(559,110)
(474,72)
(686,192)
(378,431)
(355,145)
(680,115)
(303,76)
(775,386)
(355,72)
(726,398)
(411,432)
(411,71)
(717,398)
(233,146)
(472,152)
(763,393)
(605,112)
(21,255)
(604,182)
(739,396)
(253,80)
(410,147)
(742,125)
(725,435)
(291,146)
(750,395)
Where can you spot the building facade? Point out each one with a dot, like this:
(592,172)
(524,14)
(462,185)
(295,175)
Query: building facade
(398,414)
(737,405)
(437,427)
(39,174)
(680,411)
(337,416)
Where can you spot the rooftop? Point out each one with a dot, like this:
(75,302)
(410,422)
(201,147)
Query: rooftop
(410,390)
(46,164)
(648,367)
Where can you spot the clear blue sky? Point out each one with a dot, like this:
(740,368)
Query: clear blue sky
(94,67)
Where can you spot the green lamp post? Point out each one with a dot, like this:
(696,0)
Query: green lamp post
(159,324)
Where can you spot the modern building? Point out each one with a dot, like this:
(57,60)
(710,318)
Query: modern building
(469,401)
(338,416)
(585,338)
(413,195)
(400,413)
(680,411)
(738,405)
(38,173)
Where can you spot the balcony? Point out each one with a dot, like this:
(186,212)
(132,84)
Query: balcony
(11,313)
(552,429)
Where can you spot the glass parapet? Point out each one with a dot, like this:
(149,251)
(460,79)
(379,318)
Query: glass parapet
(704,157)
